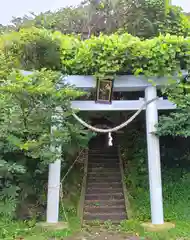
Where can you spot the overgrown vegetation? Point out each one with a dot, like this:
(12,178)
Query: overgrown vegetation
(28,102)
(104,55)
(27,106)
(175,177)
(28,231)
(177,123)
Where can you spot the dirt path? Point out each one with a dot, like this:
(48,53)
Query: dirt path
(97,234)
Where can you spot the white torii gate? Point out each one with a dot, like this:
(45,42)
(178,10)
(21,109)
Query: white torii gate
(121,83)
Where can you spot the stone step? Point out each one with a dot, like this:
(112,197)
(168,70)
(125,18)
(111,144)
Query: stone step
(106,164)
(98,223)
(104,185)
(105,217)
(103,169)
(104,196)
(103,180)
(115,174)
(103,150)
(99,155)
(104,161)
(103,190)
(109,209)
(109,182)
(105,203)
(95,153)
(106,156)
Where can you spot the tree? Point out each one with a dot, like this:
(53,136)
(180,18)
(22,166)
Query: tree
(28,103)
(177,123)
(143,18)
(176,22)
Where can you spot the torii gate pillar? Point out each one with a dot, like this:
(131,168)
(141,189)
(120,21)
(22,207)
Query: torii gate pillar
(154,165)
(54,177)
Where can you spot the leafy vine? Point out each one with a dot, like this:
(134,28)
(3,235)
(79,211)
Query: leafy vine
(100,56)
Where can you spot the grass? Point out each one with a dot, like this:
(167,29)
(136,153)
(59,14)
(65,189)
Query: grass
(176,207)
(181,232)
(176,193)
(28,230)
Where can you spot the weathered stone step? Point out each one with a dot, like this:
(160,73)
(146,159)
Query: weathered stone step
(115,174)
(105,209)
(95,145)
(98,223)
(103,179)
(103,170)
(103,156)
(106,164)
(105,217)
(104,161)
(98,155)
(102,153)
(103,176)
(103,190)
(104,185)
(105,203)
(104,196)
(103,150)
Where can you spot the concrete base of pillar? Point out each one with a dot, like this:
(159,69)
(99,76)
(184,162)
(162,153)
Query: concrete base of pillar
(53,226)
(158,227)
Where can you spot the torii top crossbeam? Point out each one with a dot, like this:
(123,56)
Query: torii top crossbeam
(124,83)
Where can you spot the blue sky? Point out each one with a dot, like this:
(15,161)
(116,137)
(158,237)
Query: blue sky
(17,8)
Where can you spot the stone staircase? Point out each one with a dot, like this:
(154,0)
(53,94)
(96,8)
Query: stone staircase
(104,196)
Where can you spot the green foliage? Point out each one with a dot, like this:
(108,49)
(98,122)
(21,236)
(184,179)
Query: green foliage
(136,169)
(29,231)
(175,178)
(100,56)
(33,99)
(28,103)
(143,18)
(6,65)
(176,123)
(124,54)
(32,47)
(176,23)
